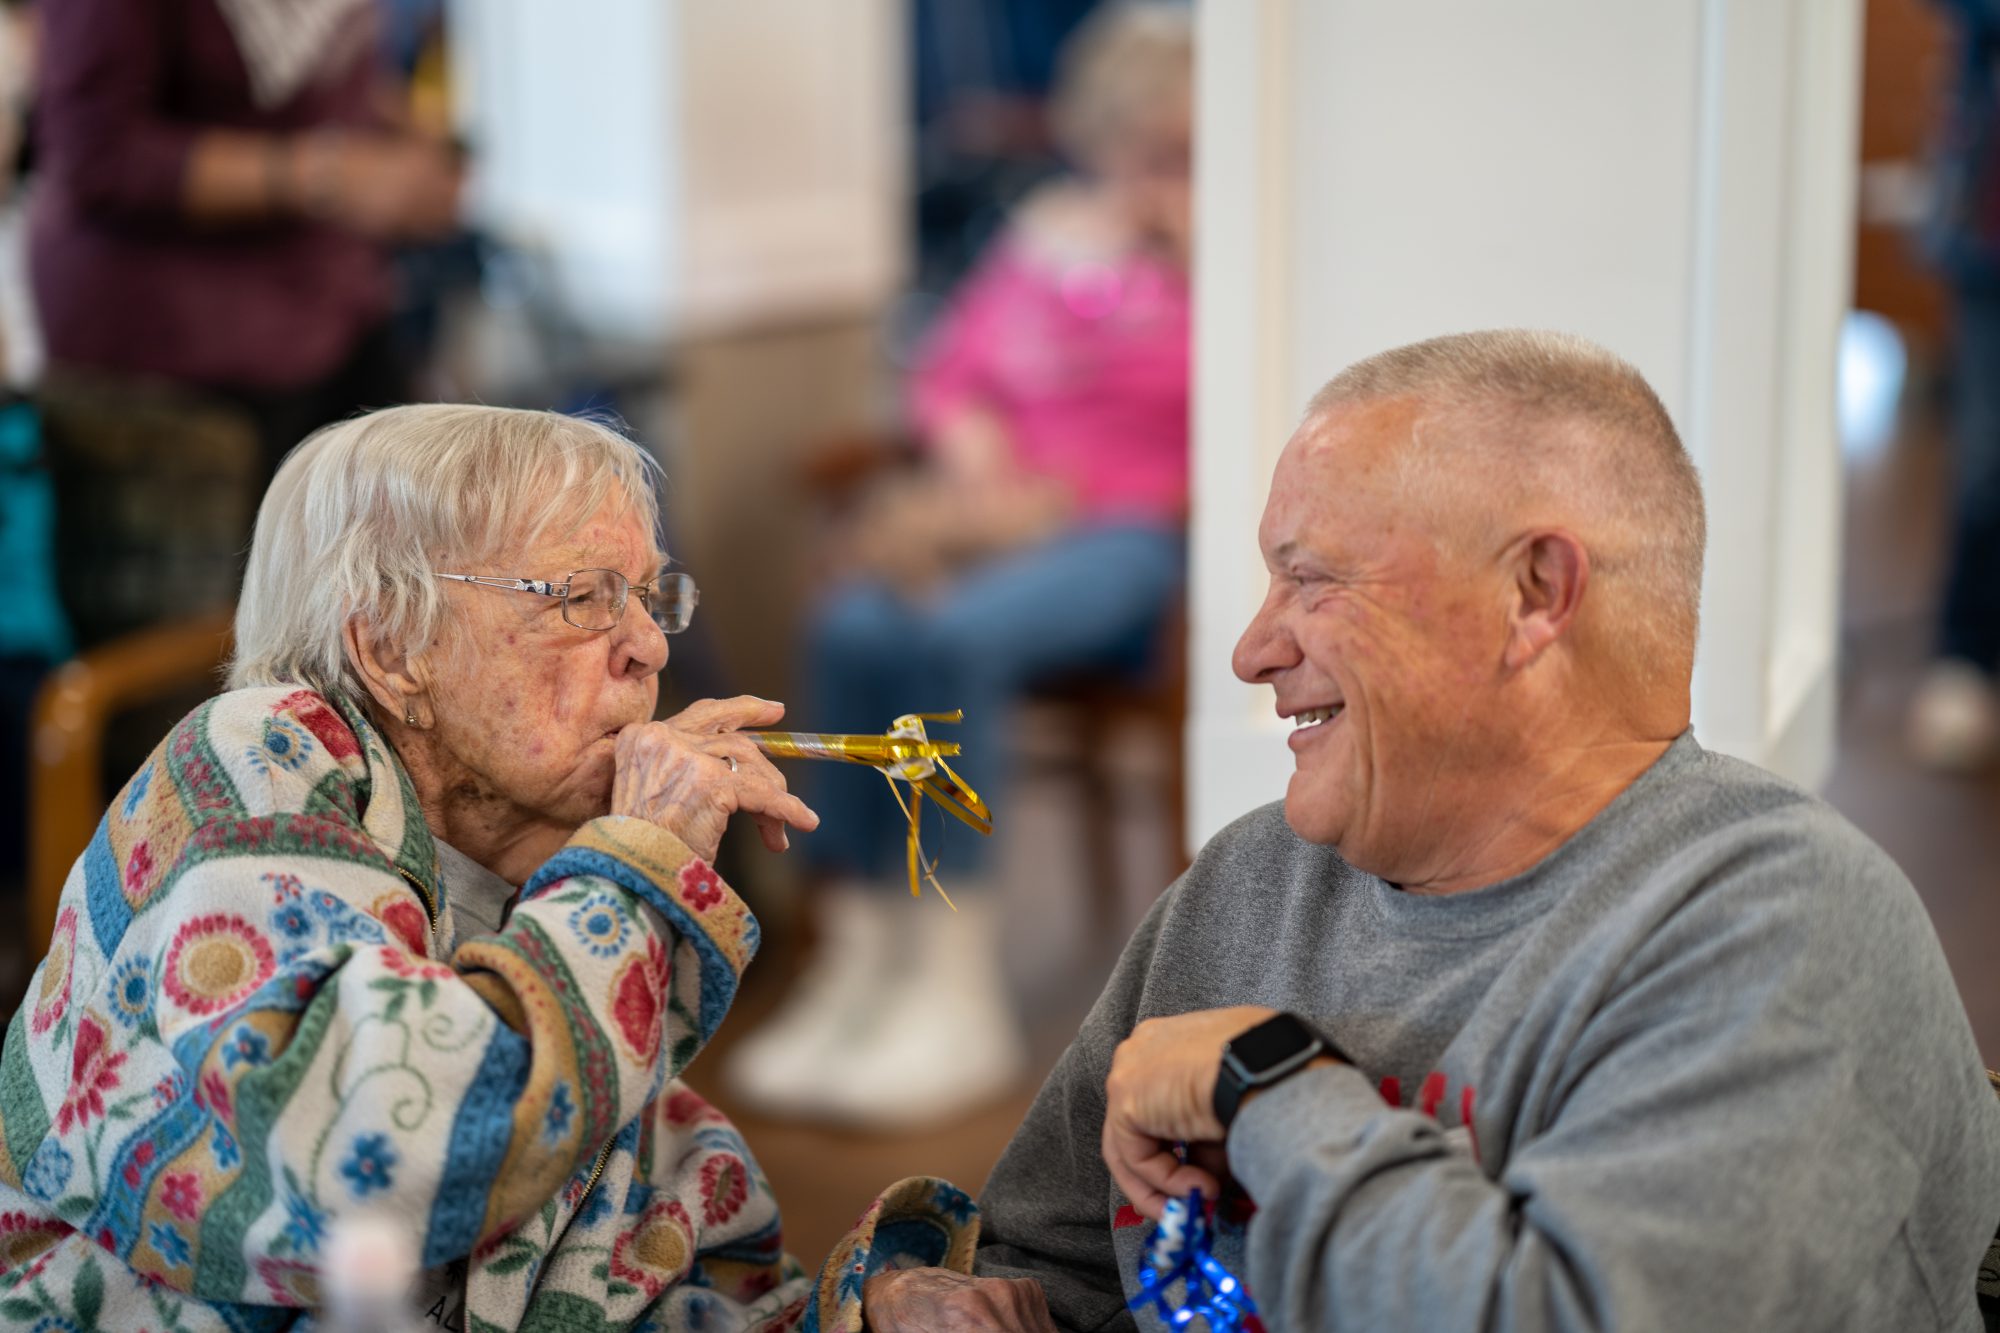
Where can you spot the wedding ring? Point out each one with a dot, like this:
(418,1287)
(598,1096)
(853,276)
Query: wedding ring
(730,760)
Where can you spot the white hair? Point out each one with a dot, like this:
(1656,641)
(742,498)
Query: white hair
(1550,424)
(363,513)
(1123,64)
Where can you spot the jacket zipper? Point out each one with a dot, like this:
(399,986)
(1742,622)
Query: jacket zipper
(430,903)
(603,1157)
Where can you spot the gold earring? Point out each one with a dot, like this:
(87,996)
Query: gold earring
(410,714)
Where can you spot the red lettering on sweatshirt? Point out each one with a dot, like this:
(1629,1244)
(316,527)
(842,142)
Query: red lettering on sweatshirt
(1432,1094)
(1431,1099)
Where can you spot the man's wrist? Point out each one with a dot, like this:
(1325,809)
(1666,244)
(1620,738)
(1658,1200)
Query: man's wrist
(1264,1054)
(1322,1061)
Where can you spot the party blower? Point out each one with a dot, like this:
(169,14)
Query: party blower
(904,754)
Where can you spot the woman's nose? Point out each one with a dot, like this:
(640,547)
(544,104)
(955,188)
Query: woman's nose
(641,649)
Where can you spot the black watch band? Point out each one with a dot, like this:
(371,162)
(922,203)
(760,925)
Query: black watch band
(1273,1050)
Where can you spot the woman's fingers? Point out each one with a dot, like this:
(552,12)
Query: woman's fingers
(751,762)
(717,715)
(696,758)
(761,798)
(754,767)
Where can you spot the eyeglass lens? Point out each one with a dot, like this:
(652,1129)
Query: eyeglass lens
(597,600)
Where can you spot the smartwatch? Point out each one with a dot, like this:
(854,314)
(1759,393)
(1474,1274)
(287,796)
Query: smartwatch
(1275,1049)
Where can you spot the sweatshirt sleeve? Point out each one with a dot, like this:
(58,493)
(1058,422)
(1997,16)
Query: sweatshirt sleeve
(1711,1152)
(1046,1209)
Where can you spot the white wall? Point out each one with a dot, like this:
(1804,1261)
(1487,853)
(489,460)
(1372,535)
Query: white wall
(571,110)
(692,166)
(1673,178)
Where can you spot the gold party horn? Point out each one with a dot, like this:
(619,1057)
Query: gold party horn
(871,750)
(904,752)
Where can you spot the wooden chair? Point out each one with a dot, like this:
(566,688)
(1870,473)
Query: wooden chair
(66,795)
(1100,708)
(155,487)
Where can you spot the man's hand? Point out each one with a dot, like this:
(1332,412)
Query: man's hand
(937,1300)
(1160,1092)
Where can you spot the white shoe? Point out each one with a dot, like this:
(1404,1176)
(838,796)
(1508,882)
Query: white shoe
(1954,722)
(782,1067)
(948,1039)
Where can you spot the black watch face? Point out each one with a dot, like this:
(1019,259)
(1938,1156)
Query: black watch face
(1271,1043)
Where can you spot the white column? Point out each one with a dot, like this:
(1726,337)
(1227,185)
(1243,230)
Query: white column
(1672,178)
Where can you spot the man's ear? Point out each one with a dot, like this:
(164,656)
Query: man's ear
(392,679)
(1550,570)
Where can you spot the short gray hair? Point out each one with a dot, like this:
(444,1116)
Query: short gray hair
(363,513)
(1561,419)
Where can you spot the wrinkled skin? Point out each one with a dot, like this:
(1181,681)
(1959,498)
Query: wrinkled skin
(527,726)
(935,1300)
(1368,612)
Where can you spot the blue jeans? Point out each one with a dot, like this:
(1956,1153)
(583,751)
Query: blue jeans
(1970,618)
(1092,599)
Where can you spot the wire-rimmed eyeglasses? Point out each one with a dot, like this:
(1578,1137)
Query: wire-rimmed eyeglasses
(594,599)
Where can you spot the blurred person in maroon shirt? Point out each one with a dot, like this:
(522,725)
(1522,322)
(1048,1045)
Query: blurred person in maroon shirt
(220,188)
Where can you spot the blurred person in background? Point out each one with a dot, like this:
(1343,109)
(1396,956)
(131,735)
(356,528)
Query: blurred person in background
(983,72)
(1954,720)
(221,182)
(1045,535)
(418,921)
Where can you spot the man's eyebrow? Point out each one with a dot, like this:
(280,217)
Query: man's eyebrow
(1292,549)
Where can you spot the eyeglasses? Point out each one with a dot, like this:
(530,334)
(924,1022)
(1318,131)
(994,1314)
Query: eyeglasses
(594,599)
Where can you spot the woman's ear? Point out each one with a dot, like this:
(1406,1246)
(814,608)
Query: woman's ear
(391,677)
(1550,571)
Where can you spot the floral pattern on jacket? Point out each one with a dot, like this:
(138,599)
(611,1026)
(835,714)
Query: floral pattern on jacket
(242,1035)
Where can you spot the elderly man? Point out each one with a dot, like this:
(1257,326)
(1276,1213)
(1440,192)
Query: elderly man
(1591,1028)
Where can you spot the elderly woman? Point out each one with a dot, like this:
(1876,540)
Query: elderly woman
(418,923)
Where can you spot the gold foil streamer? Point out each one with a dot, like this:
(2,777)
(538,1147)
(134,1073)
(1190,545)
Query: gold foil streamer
(907,753)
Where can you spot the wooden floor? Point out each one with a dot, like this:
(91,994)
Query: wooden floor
(1944,833)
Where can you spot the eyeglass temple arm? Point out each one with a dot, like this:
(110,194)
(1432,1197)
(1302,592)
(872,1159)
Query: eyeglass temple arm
(517,585)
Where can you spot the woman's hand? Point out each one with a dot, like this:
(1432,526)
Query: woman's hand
(677,774)
(936,1300)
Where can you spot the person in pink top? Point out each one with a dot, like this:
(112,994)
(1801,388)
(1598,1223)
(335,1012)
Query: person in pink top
(1047,536)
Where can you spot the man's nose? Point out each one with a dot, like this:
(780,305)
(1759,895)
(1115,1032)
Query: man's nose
(1266,648)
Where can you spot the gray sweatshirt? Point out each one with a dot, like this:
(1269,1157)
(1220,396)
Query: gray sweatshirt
(1702,1068)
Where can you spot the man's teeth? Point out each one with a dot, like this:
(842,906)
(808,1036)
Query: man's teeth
(1310,716)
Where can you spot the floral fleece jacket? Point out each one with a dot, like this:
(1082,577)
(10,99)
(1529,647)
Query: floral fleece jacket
(242,1034)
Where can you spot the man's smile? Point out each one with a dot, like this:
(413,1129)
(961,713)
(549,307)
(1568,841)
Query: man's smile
(1312,721)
